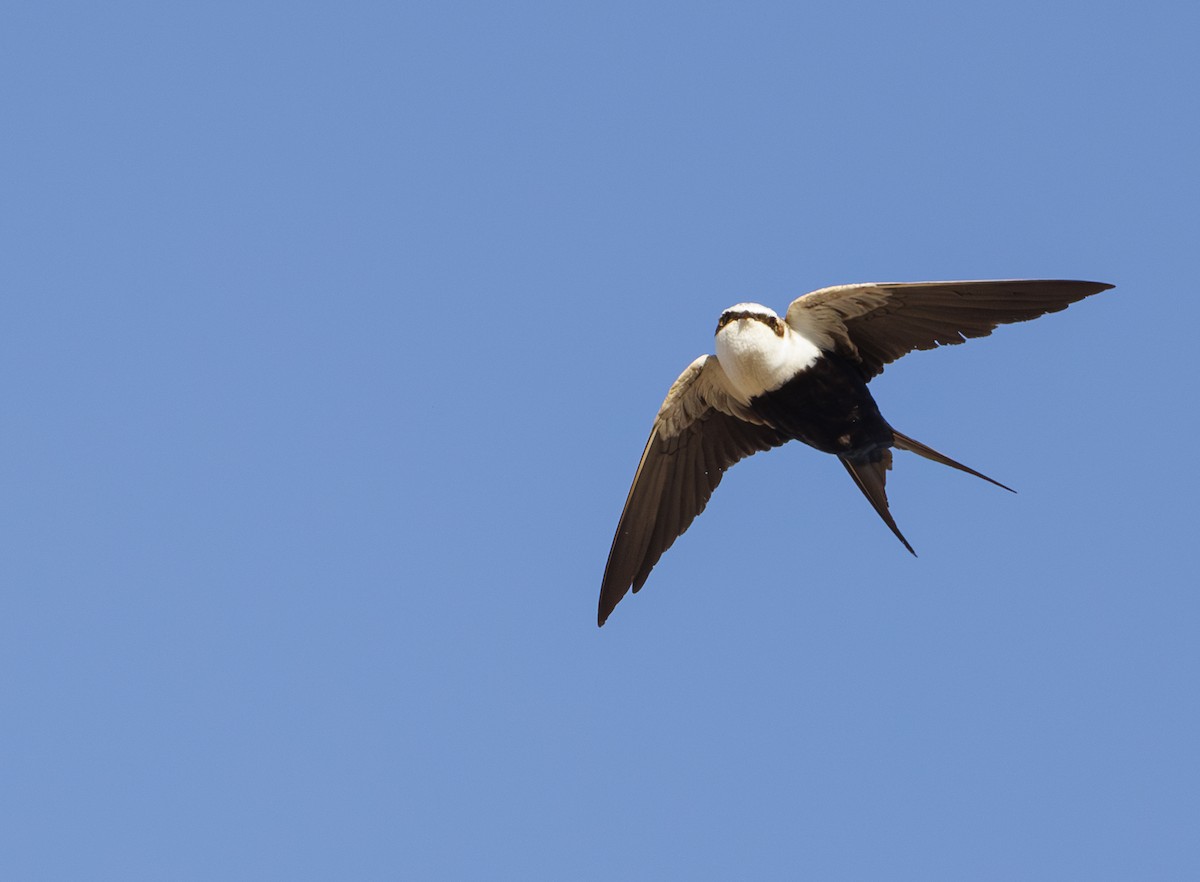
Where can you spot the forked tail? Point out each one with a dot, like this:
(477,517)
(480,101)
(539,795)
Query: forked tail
(903,442)
(870,474)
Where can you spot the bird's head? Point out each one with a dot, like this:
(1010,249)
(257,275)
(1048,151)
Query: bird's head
(758,351)
(740,315)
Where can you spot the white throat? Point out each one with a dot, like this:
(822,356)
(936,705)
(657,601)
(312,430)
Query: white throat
(756,359)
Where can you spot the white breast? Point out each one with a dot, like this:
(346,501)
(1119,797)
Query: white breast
(758,360)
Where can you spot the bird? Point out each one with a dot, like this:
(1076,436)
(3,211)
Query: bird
(803,377)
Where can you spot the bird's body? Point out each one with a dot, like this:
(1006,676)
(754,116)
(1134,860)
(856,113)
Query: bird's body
(784,378)
(802,378)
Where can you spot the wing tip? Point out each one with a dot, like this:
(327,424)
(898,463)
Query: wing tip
(607,604)
(1093,287)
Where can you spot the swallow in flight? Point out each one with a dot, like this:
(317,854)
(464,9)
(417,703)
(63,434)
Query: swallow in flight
(804,378)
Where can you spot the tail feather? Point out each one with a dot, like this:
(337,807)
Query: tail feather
(871,478)
(903,442)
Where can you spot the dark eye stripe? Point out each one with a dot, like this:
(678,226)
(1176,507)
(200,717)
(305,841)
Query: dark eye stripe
(770,321)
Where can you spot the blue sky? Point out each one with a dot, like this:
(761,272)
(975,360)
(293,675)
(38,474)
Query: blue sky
(332,335)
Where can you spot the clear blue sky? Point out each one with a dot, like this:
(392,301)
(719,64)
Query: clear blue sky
(332,333)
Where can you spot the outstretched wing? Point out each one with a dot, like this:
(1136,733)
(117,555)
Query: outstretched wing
(701,430)
(877,322)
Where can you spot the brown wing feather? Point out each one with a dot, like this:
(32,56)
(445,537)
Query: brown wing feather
(876,323)
(693,442)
